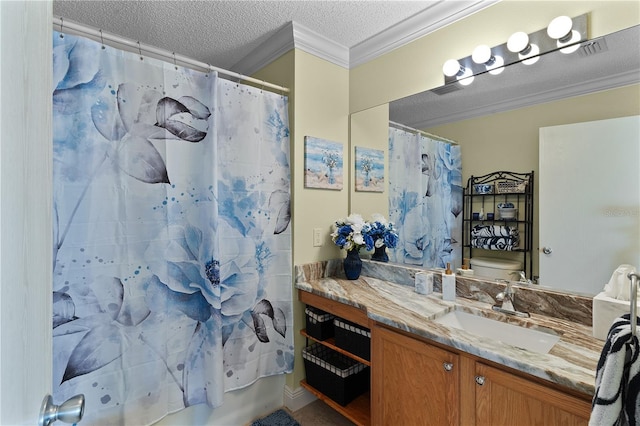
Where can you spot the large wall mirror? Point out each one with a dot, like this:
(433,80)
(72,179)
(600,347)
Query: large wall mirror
(496,119)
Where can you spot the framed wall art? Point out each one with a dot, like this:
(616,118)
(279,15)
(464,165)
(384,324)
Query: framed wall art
(369,170)
(323,164)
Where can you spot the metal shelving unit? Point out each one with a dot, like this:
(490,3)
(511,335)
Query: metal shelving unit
(523,201)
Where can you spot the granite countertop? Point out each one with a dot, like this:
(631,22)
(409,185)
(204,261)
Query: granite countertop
(570,363)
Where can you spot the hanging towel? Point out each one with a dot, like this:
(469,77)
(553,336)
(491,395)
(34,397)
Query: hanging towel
(617,378)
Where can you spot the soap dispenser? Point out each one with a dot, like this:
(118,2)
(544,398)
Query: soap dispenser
(465,270)
(448,284)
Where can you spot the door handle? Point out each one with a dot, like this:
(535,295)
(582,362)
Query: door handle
(70,411)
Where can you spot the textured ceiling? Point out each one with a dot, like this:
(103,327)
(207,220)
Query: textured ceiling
(222,33)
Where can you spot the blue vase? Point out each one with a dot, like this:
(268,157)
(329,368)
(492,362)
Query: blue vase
(380,254)
(352,265)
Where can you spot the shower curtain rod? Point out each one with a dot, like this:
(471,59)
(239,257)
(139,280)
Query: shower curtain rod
(411,129)
(61,24)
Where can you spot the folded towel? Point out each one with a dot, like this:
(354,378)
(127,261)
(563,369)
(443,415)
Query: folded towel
(496,243)
(493,231)
(616,400)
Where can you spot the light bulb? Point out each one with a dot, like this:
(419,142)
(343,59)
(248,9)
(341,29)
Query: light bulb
(482,55)
(519,43)
(560,28)
(465,78)
(497,67)
(531,57)
(452,68)
(465,81)
(572,43)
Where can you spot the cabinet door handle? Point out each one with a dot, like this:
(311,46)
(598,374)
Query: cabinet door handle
(480,380)
(447,366)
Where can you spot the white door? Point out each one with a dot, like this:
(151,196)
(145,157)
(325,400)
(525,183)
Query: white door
(25,209)
(589,202)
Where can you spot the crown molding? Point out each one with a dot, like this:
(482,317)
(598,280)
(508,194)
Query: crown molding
(597,85)
(295,35)
(429,20)
(274,47)
(320,46)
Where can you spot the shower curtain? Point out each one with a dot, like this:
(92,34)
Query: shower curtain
(172,244)
(425,199)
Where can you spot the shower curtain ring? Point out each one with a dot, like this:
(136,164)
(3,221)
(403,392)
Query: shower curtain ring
(140,51)
(175,65)
(102,40)
(208,70)
(61,24)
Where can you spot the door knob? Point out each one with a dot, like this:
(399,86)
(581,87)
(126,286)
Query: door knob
(547,250)
(70,411)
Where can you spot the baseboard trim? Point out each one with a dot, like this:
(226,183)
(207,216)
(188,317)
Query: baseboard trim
(295,399)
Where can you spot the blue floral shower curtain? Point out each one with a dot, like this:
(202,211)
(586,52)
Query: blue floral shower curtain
(425,199)
(172,244)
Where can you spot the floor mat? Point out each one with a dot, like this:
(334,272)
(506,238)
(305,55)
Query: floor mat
(277,418)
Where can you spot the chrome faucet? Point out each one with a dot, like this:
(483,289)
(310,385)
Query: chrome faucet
(507,298)
(523,277)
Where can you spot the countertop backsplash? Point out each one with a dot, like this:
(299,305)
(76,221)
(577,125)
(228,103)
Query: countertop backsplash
(530,298)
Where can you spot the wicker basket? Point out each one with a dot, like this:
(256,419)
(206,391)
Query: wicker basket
(507,187)
(319,323)
(353,338)
(335,375)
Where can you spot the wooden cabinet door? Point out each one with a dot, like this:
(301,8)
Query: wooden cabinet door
(412,382)
(505,399)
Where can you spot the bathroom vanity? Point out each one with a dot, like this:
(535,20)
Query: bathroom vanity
(417,381)
(425,371)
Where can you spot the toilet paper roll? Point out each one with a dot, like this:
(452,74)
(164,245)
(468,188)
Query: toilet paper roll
(424,282)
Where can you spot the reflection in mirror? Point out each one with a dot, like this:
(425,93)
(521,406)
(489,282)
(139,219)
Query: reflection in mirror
(600,64)
(497,119)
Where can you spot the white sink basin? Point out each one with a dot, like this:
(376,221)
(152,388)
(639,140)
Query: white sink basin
(535,340)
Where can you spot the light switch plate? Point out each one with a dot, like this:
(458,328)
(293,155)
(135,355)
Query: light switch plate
(317,237)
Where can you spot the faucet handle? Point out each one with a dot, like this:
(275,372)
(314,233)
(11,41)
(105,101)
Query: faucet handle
(523,277)
(509,290)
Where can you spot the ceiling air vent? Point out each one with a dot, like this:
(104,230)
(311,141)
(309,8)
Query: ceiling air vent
(447,88)
(593,47)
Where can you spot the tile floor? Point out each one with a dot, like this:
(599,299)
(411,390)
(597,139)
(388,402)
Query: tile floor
(319,414)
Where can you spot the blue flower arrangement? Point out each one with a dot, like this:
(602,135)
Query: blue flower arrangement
(380,232)
(354,233)
(349,233)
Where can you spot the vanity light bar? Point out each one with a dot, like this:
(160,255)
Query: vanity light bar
(564,34)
